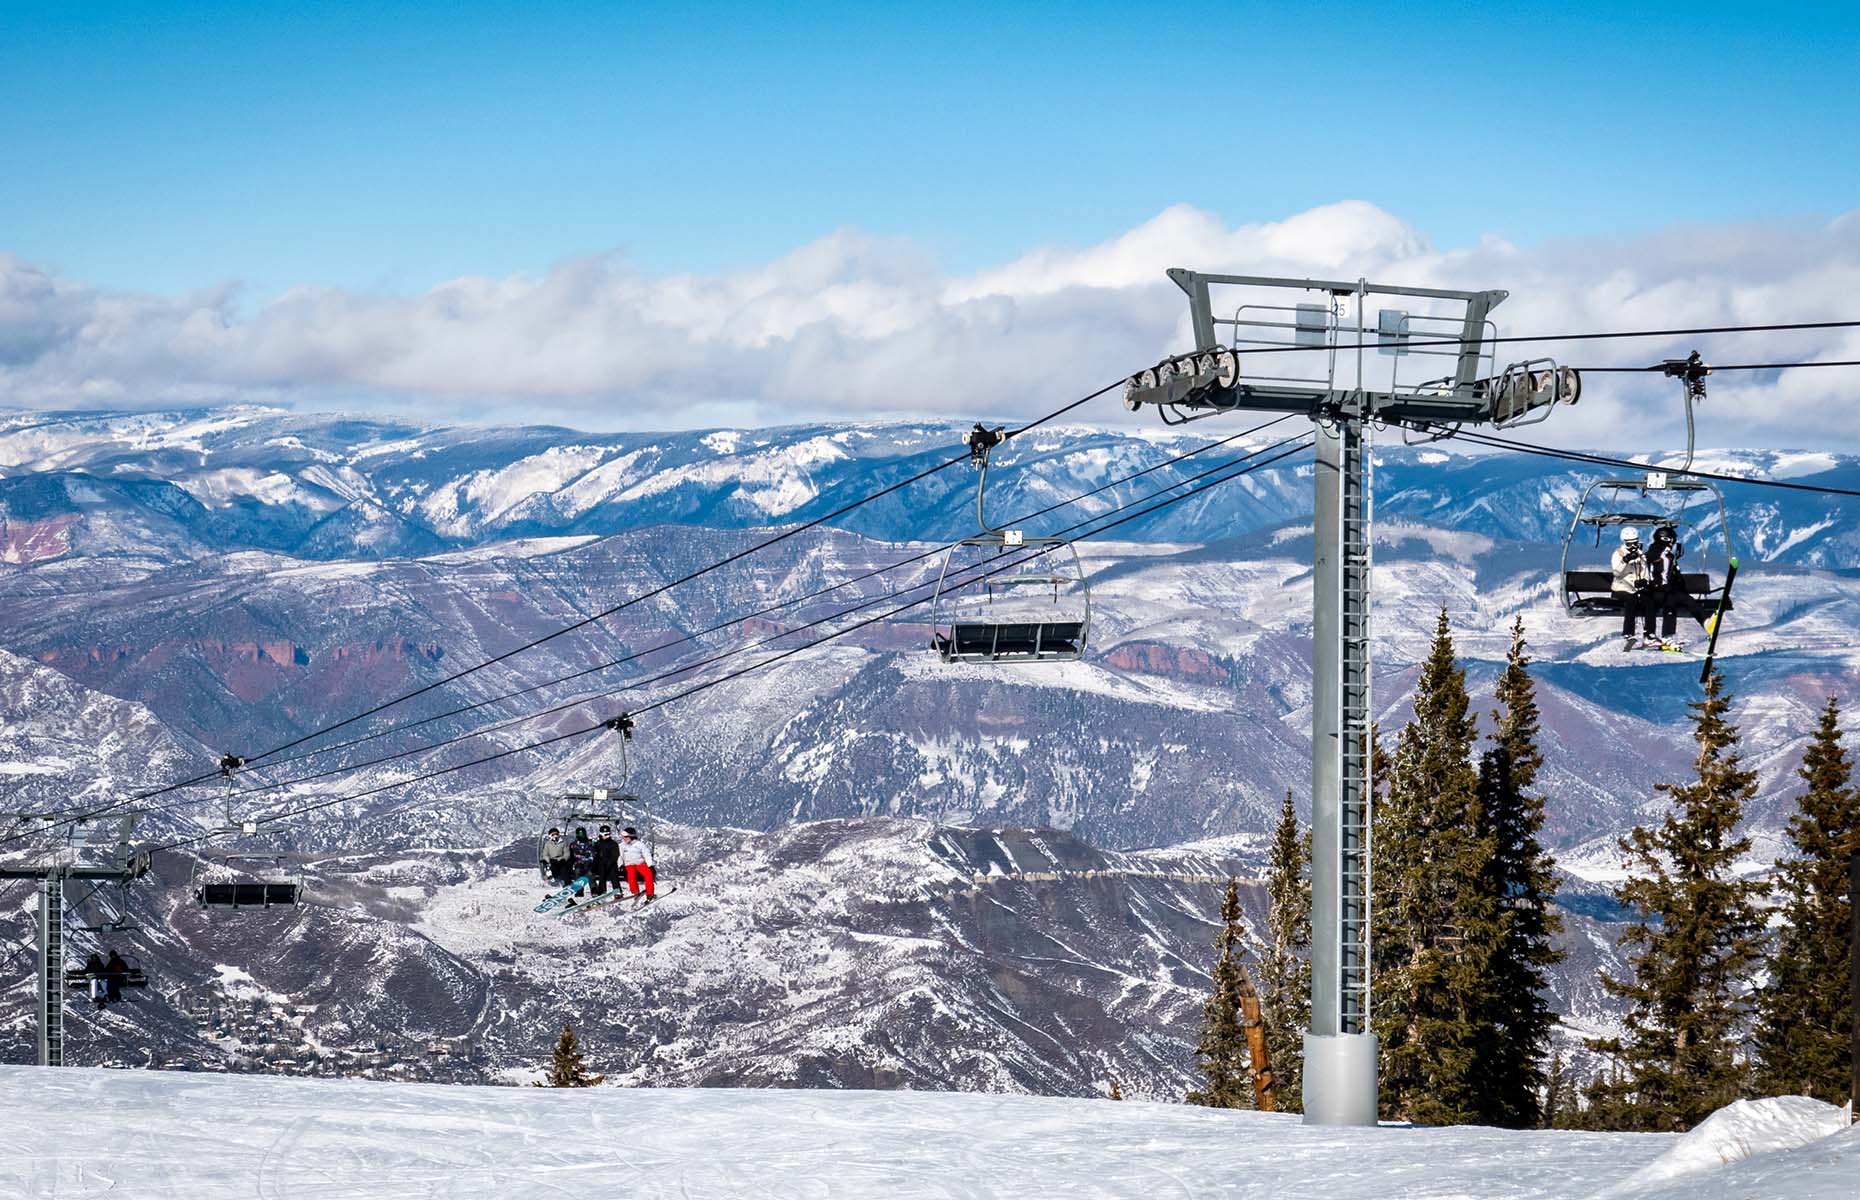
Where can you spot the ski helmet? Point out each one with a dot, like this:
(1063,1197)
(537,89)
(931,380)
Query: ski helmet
(1629,534)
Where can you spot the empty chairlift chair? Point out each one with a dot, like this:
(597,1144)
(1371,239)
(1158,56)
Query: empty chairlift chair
(247,881)
(1004,596)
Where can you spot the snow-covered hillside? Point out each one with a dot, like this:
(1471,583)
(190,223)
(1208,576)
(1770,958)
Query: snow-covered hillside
(177,1137)
(171,486)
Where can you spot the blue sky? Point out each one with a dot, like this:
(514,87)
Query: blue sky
(649,216)
(173,146)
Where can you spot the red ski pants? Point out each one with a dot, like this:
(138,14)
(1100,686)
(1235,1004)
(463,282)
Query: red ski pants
(636,873)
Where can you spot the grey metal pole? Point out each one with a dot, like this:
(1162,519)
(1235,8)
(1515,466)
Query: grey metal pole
(1326,776)
(1340,1053)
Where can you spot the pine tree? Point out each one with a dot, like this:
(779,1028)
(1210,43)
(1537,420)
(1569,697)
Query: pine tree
(1226,1057)
(568,1070)
(1699,935)
(1558,1108)
(1521,877)
(1435,925)
(1805,1011)
(1285,962)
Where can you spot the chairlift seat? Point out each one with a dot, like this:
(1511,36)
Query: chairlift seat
(1592,591)
(80,978)
(249,893)
(1048,641)
(1045,579)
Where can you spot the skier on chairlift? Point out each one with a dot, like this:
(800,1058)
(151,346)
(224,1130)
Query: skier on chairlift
(606,862)
(555,859)
(115,972)
(637,861)
(1668,594)
(93,970)
(1631,584)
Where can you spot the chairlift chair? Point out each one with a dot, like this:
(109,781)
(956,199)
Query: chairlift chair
(1035,602)
(136,977)
(1661,497)
(591,810)
(1650,502)
(243,880)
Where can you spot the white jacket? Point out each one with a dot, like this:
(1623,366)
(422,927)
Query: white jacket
(1630,574)
(633,854)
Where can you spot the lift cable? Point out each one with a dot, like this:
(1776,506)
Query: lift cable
(931,553)
(1602,460)
(1717,367)
(770,608)
(327,802)
(686,668)
(591,619)
(1605,335)
(1779,327)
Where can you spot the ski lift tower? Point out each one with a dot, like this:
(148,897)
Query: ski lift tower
(51,869)
(1424,358)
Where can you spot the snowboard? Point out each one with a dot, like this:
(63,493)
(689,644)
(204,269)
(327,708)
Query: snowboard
(565,896)
(623,901)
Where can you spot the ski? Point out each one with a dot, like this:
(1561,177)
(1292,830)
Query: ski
(564,896)
(624,901)
(1717,620)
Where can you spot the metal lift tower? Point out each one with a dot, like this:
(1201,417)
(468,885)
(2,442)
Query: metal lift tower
(50,871)
(1311,346)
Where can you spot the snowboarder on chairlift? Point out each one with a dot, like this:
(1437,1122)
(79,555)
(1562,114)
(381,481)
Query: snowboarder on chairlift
(115,972)
(637,861)
(555,859)
(1668,594)
(581,852)
(1631,585)
(606,862)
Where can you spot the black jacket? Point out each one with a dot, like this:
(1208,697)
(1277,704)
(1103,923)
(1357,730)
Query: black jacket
(606,856)
(1663,566)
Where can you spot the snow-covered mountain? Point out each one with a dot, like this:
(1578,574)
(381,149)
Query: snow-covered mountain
(177,586)
(175,485)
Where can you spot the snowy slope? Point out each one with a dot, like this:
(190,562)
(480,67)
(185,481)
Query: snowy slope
(204,1137)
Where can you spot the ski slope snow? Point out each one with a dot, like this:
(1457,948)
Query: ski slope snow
(79,1132)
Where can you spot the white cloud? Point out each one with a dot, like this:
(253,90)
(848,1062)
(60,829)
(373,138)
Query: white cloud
(856,327)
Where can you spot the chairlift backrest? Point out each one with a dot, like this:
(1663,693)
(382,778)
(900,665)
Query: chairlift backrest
(238,881)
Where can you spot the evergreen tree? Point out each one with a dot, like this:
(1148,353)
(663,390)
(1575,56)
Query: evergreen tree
(1558,1108)
(1435,925)
(1805,1013)
(1699,935)
(567,1069)
(1521,877)
(1226,1058)
(1285,963)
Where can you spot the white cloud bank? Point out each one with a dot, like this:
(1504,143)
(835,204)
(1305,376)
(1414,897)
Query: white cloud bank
(854,327)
